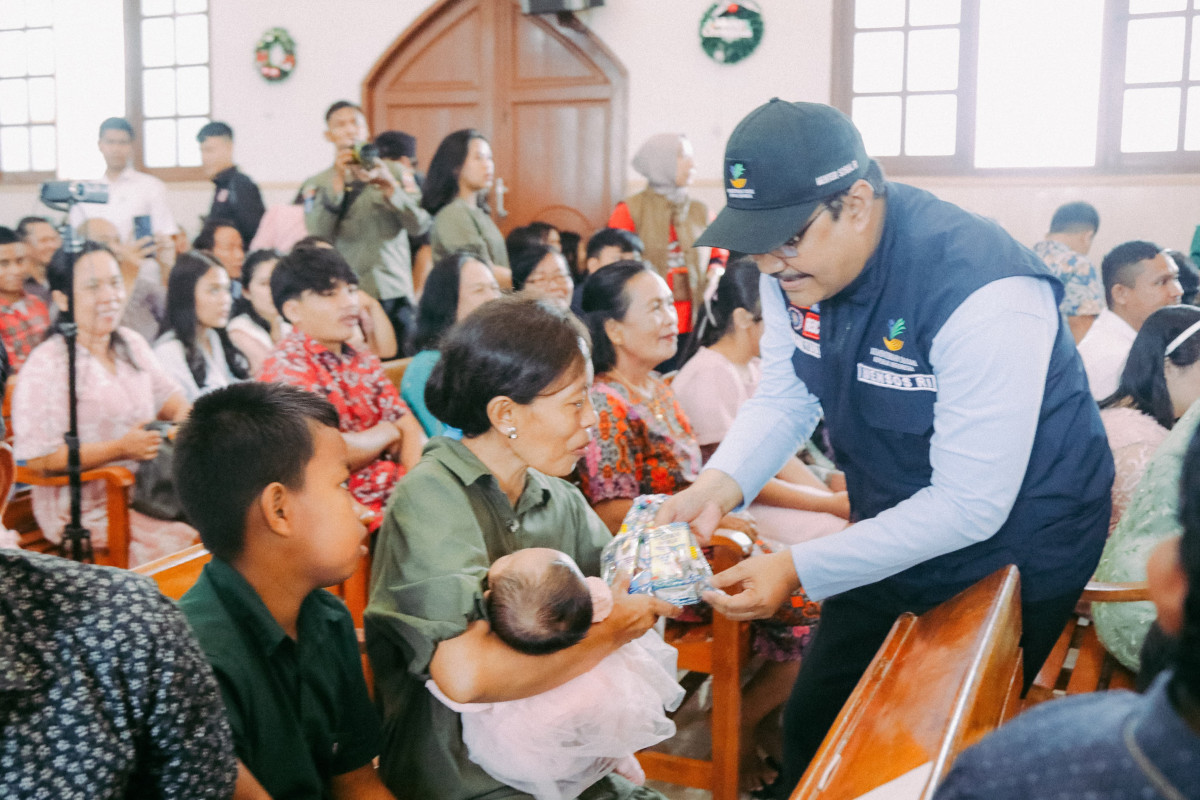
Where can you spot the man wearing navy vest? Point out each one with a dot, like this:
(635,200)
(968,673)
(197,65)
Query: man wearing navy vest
(954,399)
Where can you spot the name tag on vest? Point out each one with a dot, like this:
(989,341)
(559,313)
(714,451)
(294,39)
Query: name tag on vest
(894,380)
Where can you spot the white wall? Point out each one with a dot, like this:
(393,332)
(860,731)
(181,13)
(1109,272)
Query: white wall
(672,86)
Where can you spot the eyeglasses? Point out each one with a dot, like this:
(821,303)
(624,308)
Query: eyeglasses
(562,278)
(791,248)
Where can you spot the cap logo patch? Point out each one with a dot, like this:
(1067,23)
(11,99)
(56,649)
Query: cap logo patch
(739,175)
(841,171)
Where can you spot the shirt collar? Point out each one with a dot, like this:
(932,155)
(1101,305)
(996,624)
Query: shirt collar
(466,466)
(225,176)
(1164,736)
(242,602)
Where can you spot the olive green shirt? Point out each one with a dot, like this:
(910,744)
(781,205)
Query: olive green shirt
(299,708)
(371,231)
(1152,516)
(463,226)
(447,521)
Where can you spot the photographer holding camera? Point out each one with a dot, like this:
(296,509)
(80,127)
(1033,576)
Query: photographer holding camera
(368,209)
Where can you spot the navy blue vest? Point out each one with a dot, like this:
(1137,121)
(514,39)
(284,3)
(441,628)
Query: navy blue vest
(865,354)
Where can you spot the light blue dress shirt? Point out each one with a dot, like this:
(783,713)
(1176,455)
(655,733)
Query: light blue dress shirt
(990,359)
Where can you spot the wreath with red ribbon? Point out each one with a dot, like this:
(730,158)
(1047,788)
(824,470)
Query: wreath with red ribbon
(275,54)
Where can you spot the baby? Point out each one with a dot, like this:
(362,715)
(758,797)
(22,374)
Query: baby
(557,743)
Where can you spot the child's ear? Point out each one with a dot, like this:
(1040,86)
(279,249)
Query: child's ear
(274,506)
(742,318)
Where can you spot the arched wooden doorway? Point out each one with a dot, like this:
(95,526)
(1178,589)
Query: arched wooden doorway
(551,99)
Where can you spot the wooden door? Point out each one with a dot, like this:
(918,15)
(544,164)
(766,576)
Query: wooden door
(551,99)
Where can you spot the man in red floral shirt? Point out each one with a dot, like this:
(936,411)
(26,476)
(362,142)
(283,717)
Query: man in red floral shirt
(24,318)
(317,292)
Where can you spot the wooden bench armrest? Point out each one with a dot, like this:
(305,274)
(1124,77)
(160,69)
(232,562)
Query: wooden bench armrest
(729,547)
(117,482)
(1106,592)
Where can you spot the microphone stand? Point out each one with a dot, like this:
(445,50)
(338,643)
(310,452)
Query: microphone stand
(77,540)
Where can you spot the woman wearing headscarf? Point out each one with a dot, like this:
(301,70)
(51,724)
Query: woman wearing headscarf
(668,221)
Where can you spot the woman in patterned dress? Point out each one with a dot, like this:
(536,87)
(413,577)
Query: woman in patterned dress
(644,444)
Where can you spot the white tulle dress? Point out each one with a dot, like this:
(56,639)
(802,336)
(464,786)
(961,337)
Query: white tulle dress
(557,743)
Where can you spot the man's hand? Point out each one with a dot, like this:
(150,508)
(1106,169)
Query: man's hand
(382,179)
(634,614)
(702,504)
(341,162)
(765,582)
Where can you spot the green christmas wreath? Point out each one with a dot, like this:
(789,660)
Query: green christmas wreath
(275,54)
(730,31)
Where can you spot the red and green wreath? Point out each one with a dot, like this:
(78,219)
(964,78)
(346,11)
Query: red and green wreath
(275,54)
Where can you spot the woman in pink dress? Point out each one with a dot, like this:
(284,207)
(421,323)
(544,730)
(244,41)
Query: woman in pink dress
(1160,381)
(120,387)
(711,386)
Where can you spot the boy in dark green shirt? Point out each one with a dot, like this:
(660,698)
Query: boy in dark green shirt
(262,471)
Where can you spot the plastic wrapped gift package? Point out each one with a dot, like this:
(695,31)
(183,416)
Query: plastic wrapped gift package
(665,560)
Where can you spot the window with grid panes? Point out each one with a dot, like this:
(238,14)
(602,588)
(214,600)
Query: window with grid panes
(171,99)
(961,86)
(27,90)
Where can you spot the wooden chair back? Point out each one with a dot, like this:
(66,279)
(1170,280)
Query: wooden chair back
(176,573)
(117,482)
(1079,663)
(720,649)
(394,370)
(8,473)
(940,682)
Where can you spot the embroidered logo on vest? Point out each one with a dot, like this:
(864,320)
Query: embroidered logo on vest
(893,341)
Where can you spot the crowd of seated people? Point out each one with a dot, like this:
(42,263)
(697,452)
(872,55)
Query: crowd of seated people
(535,358)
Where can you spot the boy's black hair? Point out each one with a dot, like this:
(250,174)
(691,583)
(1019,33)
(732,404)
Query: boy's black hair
(338,106)
(394,145)
(627,241)
(1075,217)
(237,441)
(540,614)
(9,236)
(514,347)
(215,129)
(317,268)
(116,124)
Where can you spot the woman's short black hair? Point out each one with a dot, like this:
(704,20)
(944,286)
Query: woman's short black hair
(206,239)
(180,318)
(540,614)
(237,441)
(525,260)
(438,307)
(605,298)
(441,181)
(317,268)
(1143,383)
(513,347)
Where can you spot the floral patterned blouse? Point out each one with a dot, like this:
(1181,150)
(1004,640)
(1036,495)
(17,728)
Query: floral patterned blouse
(360,391)
(642,445)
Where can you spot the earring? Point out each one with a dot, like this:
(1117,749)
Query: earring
(512,433)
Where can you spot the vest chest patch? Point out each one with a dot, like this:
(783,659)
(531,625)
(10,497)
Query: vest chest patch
(895,380)
(806,329)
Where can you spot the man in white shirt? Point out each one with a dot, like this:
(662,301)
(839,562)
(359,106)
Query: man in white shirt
(1139,279)
(130,193)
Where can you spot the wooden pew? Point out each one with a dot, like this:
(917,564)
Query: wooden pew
(937,685)
(176,573)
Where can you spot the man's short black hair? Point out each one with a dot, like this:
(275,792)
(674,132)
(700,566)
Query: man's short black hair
(116,124)
(339,105)
(215,129)
(1120,265)
(317,268)
(627,241)
(9,236)
(23,227)
(514,346)
(395,145)
(237,441)
(540,614)
(1074,218)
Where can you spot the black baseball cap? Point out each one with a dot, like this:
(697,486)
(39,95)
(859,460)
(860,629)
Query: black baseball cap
(780,162)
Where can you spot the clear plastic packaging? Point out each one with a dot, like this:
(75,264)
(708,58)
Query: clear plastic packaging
(665,561)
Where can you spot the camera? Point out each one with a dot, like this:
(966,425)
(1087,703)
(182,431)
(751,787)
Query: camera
(74,192)
(365,154)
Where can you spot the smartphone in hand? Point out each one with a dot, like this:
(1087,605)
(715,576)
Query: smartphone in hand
(142,227)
